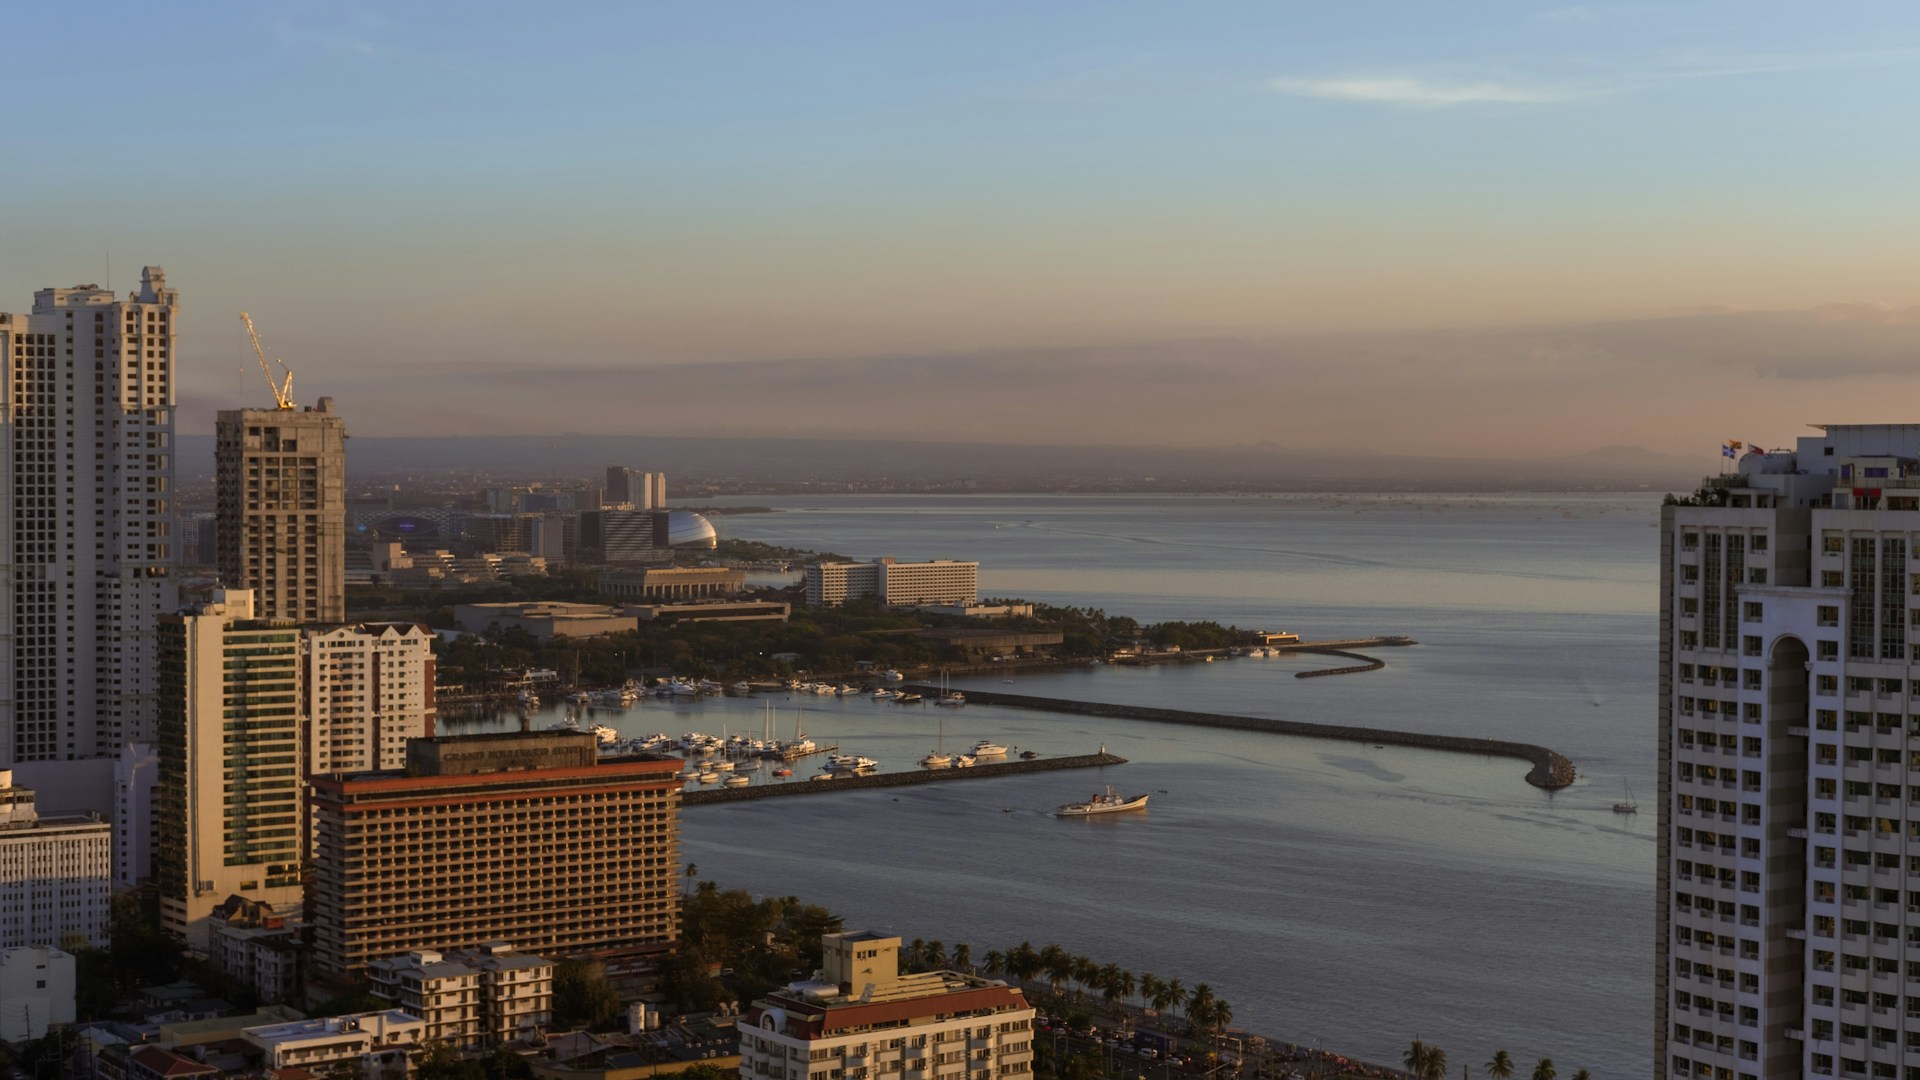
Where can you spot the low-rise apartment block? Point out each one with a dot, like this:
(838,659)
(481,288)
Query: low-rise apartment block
(378,1043)
(863,1020)
(527,837)
(257,946)
(469,998)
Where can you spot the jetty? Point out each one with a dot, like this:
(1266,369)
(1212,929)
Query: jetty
(899,779)
(1550,771)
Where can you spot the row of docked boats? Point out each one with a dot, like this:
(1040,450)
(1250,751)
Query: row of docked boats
(985,748)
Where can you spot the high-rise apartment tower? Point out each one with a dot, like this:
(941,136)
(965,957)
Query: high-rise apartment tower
(280,514)
(249,708)
(86,470)
(1789,849)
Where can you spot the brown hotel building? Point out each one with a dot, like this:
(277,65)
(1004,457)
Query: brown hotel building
(522,837)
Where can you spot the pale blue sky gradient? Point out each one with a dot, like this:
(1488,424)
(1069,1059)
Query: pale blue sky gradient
(480,187)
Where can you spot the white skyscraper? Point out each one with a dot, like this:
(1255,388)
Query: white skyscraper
(86,464)
(1789,862)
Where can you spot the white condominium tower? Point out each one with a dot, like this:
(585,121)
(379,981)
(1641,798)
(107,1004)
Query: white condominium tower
(86,464)
(1789,862)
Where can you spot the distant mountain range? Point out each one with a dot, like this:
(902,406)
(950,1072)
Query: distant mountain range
(996,466)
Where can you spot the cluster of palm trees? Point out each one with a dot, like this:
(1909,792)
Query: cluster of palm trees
(1066,973)
(1204,1010)
(1425,1062)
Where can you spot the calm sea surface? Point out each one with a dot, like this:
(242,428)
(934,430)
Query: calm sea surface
(1331,892)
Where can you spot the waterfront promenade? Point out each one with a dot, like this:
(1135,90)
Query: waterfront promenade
(1550,770)
(900,779)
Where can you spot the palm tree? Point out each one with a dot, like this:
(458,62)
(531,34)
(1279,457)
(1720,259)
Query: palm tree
(934,956)
(1058,964)
(1437,1064)
(1108,980)
(1086,973)
(1222,1013)
(1544,1070)
(1150,989)
(1500,1066)
(693,871)
(1123,982)
(910,956)
(1583,1075)
(996,964)
(1416,1058)
(1176,995)
(963,958)
(1200,1007)
(1023,962)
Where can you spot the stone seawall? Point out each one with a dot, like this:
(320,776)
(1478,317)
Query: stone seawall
(1367,663)
(899,779)
(1550,770)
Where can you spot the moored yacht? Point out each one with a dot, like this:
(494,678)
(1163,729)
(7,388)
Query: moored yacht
(988,748)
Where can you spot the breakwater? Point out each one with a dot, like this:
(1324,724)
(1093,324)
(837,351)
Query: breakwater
(900,779)
(1367,663)
(1551,770)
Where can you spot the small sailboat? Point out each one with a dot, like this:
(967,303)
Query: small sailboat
(1628,806)
(939,759)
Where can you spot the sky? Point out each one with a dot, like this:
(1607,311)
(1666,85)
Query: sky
(1424,228)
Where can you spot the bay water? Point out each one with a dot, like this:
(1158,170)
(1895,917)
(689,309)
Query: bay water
(1343,894)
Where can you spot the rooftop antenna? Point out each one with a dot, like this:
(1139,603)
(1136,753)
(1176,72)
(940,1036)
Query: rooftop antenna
(282,392)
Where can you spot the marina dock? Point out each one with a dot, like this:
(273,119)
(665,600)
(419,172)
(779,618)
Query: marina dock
(899,779)
(1551,770)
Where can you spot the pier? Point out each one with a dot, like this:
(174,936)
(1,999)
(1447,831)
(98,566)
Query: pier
(1550,771)
(899,779)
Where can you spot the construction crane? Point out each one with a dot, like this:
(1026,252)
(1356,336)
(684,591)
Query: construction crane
(282,392)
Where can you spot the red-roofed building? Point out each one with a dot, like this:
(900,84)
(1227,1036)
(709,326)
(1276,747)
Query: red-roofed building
(863,1020)
(153,1063)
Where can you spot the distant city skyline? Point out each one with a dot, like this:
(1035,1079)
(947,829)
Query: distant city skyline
(1451,229)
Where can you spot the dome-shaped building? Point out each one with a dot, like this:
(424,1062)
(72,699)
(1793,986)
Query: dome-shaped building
(686,529)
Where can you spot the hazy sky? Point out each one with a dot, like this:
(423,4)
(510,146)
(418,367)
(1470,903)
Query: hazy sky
(470,195)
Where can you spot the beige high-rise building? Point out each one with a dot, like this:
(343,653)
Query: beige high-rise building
(86,415)
(525,837)
(249,707)
(281,510)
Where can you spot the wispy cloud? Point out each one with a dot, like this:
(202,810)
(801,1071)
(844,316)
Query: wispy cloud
(1415,91)
(1424,93)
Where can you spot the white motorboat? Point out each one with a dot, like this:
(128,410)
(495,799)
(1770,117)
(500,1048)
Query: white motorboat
(988,748)
(1107,802)
(605,734)
(937,760)
(963,761)
(739,780)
